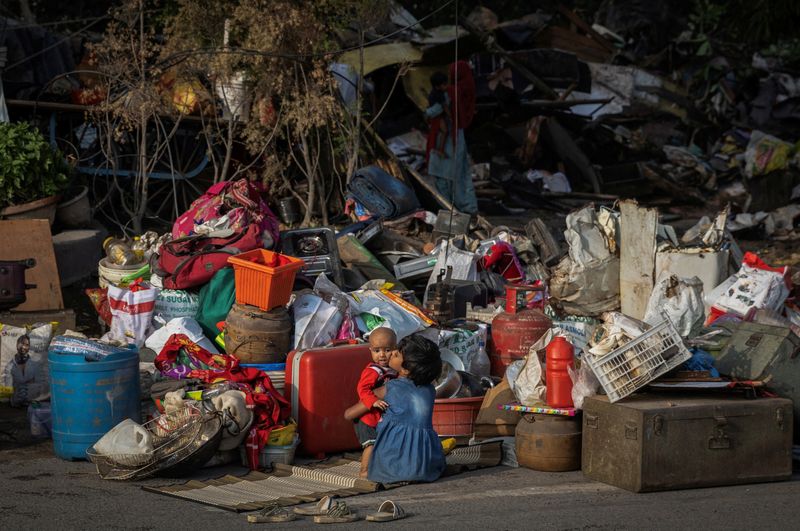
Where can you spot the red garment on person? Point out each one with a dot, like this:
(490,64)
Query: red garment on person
(372,377)
(463,99)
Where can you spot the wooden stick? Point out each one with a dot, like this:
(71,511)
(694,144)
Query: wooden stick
(584,26)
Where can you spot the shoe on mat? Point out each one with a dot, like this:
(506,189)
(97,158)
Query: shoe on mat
(272,513)
(321,507)
(339,513)
(387,512)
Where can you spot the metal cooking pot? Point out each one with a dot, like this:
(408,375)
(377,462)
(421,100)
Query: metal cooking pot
(448,383)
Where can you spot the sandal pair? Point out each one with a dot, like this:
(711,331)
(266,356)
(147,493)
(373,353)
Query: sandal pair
(273,513)
(327,511)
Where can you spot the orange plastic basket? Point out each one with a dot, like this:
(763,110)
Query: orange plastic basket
(264,278)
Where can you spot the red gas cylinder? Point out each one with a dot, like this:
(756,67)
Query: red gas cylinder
(559,385)
(513,333)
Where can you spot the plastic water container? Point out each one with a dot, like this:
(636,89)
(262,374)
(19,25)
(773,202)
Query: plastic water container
(560,357)
(40,420)
(88,398)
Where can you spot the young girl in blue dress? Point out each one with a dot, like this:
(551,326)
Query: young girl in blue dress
(406,447)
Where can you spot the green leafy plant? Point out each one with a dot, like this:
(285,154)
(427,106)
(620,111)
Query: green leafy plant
(30,168)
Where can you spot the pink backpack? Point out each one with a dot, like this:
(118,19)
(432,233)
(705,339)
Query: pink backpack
(241,200)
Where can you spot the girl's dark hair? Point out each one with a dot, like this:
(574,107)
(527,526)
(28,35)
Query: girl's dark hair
(421,358)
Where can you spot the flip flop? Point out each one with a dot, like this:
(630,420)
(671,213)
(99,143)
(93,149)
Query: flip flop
(387,512)
(272,513)
(339,513)
(321,507)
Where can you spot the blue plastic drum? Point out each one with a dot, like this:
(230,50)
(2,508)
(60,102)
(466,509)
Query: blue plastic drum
(88,398)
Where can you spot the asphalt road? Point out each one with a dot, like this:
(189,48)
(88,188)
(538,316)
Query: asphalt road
(38,491)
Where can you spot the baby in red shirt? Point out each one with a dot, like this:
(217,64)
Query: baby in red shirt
(367,412)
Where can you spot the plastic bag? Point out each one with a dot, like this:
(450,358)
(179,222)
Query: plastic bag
(316,322)
(404,319)
(587,281)
(766,153)
(682,301)
(331,293)
(529,386)
(464,264)
(91,350)
(132,313)
(578,333)
(469,346)
(39,336)
(512,372)
(180,325)
(586,290)
(174,303)
(129,439)
(584,383)
(99,299)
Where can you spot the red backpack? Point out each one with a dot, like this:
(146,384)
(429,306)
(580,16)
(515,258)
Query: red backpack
(192,261)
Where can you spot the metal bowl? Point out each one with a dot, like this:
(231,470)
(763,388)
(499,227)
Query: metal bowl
(448,383)
(450,357)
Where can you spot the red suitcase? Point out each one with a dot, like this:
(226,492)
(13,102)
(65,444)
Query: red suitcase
(321,385)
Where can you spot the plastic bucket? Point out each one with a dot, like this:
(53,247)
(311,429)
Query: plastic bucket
(114,274)
(88,398)
(456,416)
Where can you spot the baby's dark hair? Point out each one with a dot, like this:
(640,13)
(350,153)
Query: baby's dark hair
(438,78)
(421,358)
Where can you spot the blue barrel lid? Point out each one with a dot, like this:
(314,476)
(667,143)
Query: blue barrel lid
(266,367)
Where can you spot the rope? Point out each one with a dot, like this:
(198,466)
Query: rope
(455,148)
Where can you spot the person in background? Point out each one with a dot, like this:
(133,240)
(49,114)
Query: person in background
(442,123)
(450,165)
(21,372)
(406,447)
(367,412)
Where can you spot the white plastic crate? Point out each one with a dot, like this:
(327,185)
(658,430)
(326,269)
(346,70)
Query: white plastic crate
(640,361)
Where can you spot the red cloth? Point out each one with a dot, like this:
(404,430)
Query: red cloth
(463,97)
(270,408)
(502,259)
(372,377)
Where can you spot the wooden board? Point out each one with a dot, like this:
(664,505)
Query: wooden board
(637,256)
(30,238)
